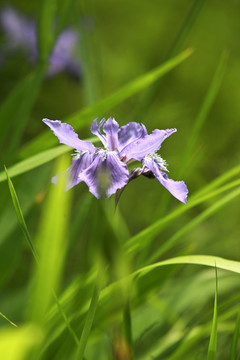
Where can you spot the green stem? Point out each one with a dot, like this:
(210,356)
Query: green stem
(89,320)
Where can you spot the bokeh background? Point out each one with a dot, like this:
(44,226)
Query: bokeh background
(120,41)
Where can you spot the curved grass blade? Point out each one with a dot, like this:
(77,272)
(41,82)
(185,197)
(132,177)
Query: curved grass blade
(85,116)
(233,353)
(139,240)
(212,348)
(205,260)
(19,214)
(194,222)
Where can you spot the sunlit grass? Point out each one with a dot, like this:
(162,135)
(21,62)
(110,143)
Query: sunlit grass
(78,279)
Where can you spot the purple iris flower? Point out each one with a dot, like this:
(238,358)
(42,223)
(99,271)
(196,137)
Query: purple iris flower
(21,34)
(121,146)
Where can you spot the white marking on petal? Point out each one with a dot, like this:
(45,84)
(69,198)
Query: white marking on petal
(162,164)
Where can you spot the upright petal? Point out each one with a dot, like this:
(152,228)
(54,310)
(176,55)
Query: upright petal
(129,133)
(67,136)
(96,130)
(177,188)
(147,145)
(77,167)
(111,130)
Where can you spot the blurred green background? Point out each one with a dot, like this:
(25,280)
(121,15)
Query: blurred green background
(120,41)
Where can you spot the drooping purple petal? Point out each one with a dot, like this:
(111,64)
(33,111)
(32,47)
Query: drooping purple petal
(96,130)
(110,128)
(147,145)
(67,136)
(118,172)
(78,165)
(129,133)
(90,176)
(109,165)
(177,188)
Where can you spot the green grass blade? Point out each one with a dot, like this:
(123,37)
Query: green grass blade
(17,343)
(86,116)
(89,321)
(203,113)
(212,348)
(207,104)
(46,27)
(22,97)
(24,105)
(139,240)
(205,260)
(64,14)
(233,353)
(194,222)
(175,47)
(33,250)
(52,240)
(19,213)
(10,322)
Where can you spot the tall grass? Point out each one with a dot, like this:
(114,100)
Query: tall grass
(81,279)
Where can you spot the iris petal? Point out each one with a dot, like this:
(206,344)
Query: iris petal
(129,133)
(73,172)
(96,130)
(67,136)
(177,188)
(118,172)
(147,145)
(111,130)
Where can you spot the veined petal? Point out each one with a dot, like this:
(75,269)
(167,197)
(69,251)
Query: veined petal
(67,136)
(147,145)
(111,130)
(96,130)
(79,165)
(118,173)
(177,188)
(129,133)
(109,166)
(90,176)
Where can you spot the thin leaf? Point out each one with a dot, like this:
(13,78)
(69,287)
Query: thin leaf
(33,250)
(194,222)
(46,27)
(19,213)
(139,240)
(12,323)
(233,353)
(22,97)
(89,320)
(212,348)
(86,116)
(174,48)
(205,260)
(207,104)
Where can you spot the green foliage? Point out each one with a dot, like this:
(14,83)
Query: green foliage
(152,297)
